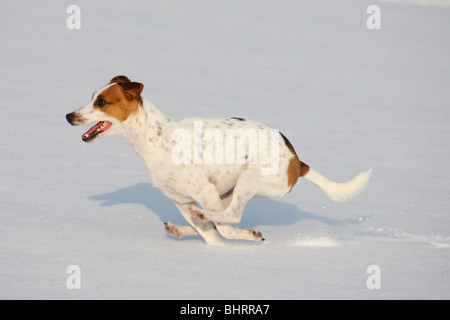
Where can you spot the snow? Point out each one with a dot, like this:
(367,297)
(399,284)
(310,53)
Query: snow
(348,99)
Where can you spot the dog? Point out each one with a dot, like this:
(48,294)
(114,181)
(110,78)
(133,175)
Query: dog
(210,168)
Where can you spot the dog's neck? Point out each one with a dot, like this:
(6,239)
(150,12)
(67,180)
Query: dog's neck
(149,131)
(148,124)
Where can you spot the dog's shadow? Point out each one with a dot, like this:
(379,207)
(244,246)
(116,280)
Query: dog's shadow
(257,213)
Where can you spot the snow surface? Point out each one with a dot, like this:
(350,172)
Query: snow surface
(348,99)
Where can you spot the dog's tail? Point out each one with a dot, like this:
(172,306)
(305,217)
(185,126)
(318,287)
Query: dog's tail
(338,191)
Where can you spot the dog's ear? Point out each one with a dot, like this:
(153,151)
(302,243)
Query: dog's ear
(119,79)
(132,90)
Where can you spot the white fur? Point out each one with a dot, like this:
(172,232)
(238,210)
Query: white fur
(339,192)
(209,196)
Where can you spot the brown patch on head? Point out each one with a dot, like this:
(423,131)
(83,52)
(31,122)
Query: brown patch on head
(120,100)
(132,90)
(296,168)
(120,79)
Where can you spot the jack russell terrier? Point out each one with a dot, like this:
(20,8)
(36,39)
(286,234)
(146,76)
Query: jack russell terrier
(210,168)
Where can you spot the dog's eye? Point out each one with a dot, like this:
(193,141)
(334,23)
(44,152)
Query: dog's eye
(100,102)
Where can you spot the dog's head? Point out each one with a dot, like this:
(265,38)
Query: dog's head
(109,107)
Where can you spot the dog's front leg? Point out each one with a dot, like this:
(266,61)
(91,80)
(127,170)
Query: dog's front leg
(206,229)
(179,231)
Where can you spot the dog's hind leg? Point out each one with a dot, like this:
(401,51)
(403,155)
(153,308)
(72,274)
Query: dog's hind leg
(213,203)
(229,231)
(244,190)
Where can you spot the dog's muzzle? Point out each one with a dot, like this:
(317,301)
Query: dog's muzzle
(70,117)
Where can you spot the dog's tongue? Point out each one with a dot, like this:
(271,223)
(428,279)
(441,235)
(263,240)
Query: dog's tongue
(101,126)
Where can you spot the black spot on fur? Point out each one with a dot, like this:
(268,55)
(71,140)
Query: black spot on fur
(238,119)
(287,142)
(159,128)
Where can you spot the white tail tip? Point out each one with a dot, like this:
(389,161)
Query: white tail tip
(339,191)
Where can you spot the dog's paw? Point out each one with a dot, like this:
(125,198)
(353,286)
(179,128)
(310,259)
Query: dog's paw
(172,230)
(196,213)
(256,234)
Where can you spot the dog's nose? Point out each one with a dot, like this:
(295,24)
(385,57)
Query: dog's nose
(70,117)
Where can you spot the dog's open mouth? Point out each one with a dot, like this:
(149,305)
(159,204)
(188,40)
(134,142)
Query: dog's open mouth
(93,132)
